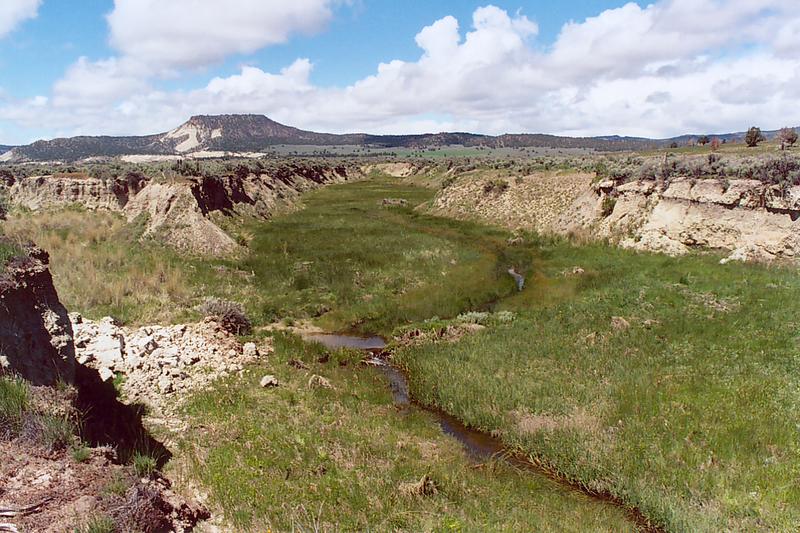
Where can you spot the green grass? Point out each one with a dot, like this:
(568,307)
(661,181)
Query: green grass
(14,402)
(144,465)
(9,250)
(97,524)
(118,485)
(357,265)
(300,458)
(80,452)
(691,414)
(344,261)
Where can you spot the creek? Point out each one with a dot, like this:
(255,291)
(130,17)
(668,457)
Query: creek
(479,445)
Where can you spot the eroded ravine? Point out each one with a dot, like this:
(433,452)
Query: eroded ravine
(478,445)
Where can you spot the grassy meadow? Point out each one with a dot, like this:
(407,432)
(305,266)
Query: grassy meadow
(301,457)
(669,382)
(345,260)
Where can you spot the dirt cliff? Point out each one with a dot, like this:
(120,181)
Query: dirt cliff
(182,211)
(35,331)
(747,219)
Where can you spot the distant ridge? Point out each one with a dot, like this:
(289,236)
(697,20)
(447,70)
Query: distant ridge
(256,133)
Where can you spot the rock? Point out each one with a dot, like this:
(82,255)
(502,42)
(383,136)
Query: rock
(578,271)
(84,505)
(269,381)
(394,202)
(250,350)
(619,323)
(106,373)
(298,364)
(107,350)
(319,382)
(748,253)
(161,360)
(165,385)
(424,487)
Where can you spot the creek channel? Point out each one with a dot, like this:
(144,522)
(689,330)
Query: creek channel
(480,446)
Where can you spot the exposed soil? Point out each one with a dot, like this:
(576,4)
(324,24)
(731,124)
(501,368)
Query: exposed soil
(67,493)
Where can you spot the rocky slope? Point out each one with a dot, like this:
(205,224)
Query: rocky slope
(44,486)
(531,202)
(745,218)
(162,363)
(181,212)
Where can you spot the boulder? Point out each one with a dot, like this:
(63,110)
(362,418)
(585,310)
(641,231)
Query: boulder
(269,381)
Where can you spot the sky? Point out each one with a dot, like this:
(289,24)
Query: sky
(583,67)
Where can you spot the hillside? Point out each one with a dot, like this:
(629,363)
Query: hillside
(256,133)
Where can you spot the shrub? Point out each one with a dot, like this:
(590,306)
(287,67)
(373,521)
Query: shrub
(9,249)
(787,136)
(607,207)
(97,524)
(52,431)
(473,317)
(495,186)
(80,453)
(118,485)
(6,177)
(754,136)
(231,315)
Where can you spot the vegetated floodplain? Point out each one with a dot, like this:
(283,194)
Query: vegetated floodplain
(673,383)
(301,457)
(344,260)
(357,265)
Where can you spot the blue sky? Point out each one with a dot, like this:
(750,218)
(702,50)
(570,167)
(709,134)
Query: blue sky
(39,52)
(579,67)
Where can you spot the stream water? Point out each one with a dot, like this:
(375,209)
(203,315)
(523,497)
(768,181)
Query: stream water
(479,445)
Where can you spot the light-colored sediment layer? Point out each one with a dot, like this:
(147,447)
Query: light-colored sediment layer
(750,220)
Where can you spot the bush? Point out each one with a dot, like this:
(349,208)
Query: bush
(80,453)
(9,249)
(607,207)
(787,136)
(52,431)
(231,315)
(495,186)
(97,524)
(754,136)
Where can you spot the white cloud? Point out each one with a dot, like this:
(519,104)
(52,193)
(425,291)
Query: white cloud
(676,66)
(193,33)
(13,12)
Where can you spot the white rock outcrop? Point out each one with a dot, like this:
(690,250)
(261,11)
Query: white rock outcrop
(160,361)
